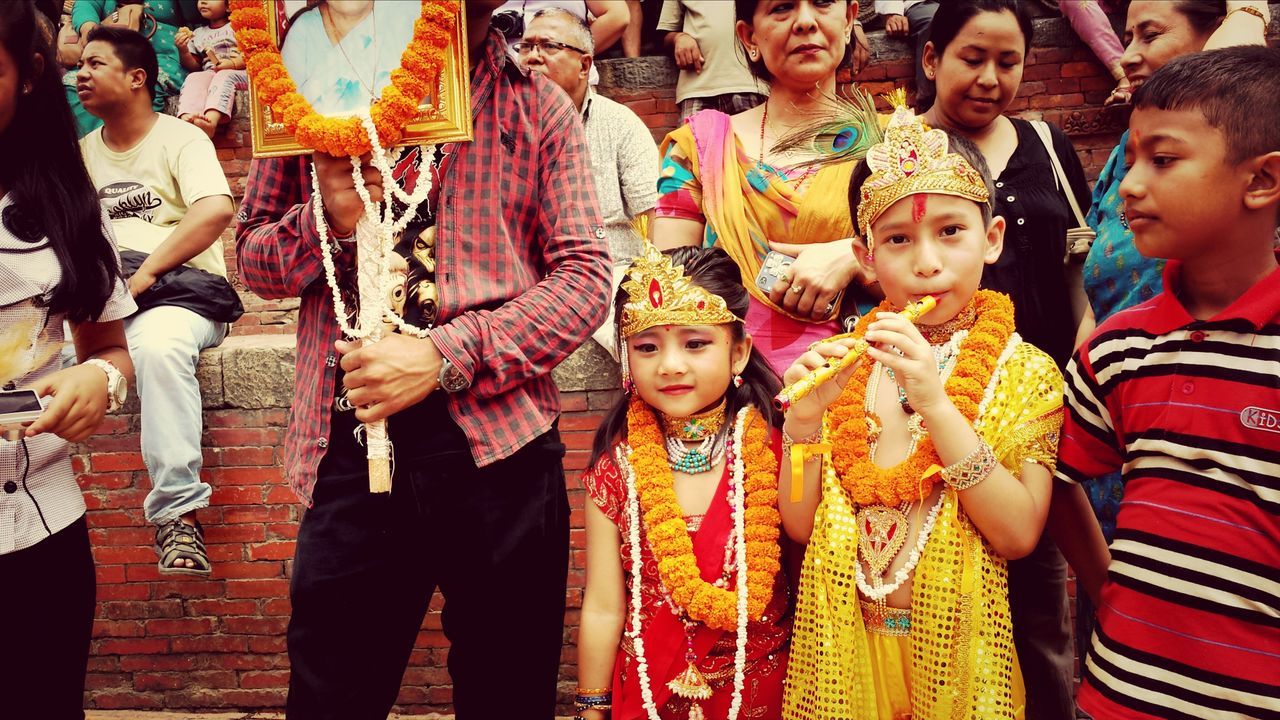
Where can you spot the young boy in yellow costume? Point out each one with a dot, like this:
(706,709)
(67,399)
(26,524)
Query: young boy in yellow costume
(925,465)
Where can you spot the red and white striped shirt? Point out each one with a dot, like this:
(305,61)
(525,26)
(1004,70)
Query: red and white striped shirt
(1189,622)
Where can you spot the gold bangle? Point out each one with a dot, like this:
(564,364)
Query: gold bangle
(973,469)
(800,452)
(1251,11)
(598,691)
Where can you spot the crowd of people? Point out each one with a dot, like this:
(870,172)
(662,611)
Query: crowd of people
(992,371)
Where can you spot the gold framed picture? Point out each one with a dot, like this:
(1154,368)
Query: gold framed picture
(340,55)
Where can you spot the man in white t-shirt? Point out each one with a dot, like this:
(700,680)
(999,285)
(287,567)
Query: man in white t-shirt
(160,182)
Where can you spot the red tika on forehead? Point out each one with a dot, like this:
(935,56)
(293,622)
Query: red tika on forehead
(919,206)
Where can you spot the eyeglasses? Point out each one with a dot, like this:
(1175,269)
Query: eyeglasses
(546,47)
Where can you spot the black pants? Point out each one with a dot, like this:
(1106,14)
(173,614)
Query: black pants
(49,591)
(1041,618)
(495,540)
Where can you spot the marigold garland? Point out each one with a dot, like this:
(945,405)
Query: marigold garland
(420,67)
(979,353)
(668,534)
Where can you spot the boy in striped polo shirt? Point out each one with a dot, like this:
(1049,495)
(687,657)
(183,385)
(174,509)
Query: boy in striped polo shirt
(1182,393)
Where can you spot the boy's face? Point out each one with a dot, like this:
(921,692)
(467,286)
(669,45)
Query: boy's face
(932,245)
(1181,190)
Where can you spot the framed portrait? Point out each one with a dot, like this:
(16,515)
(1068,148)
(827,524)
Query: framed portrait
(340,55)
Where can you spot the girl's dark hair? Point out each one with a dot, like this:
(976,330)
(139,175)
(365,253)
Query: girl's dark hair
(953,15)
(957,144)
(713,270)
(745,10)
(52,195)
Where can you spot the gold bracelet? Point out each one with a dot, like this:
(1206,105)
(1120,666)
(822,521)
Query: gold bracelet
(973,469)
(599,691)
(1251,11)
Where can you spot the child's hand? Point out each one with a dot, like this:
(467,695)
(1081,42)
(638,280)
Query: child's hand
(183,37)
(808,410)
(79,403)
(899,346)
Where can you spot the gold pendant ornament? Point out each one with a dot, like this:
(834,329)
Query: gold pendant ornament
(690,684)
(884,531)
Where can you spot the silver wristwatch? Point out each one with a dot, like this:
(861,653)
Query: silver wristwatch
(117,386)
(451,378)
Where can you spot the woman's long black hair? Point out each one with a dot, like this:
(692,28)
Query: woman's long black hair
(51,193)
(713,270)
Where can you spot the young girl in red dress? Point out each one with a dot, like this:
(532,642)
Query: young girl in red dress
(684,477)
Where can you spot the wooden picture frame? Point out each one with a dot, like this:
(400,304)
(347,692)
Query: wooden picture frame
(445,118)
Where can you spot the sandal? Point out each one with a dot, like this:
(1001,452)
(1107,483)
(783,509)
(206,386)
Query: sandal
(176,541)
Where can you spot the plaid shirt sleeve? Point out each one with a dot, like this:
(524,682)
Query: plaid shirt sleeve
(529,335)
(277,247)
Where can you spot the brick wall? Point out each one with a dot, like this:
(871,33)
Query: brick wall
(219,643)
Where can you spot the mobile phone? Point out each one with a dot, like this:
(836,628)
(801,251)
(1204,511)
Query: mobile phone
(774,265)
(19,407)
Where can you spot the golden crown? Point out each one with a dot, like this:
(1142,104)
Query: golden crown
(910,160)
(658,293)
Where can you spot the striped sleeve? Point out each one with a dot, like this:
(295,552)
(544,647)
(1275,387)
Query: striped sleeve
(1090,445)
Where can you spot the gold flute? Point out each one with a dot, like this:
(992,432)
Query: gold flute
(832,367)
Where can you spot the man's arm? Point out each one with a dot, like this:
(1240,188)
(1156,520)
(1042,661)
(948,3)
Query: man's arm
(204,222)
(638,168)
(531,334)
(611,18)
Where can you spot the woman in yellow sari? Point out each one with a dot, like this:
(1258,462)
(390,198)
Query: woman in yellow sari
(724,184)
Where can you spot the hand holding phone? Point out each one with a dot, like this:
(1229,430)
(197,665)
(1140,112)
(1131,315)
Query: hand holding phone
(775,264)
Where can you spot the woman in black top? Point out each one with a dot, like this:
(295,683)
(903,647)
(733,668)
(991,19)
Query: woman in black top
(976,56)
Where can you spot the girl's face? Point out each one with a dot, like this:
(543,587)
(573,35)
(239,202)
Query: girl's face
(212,9)
(680,370)
(932,245)
(800,41)
(1154,34)
(979,73)
(10,88)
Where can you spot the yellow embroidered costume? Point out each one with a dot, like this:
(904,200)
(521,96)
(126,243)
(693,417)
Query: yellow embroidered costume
(951,653)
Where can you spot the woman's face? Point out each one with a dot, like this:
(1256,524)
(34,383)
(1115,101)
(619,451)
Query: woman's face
(979,72)
(801,42)
(1155,32)
(350,8)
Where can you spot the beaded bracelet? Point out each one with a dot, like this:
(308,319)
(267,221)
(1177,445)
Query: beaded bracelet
(1251,11)
(601,699)
(973,469)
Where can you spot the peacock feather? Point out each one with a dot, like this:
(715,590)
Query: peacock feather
(846,131)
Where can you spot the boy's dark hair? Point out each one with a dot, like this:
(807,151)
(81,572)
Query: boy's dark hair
(714,271)
(52,195)
(1237,89)
(953,15)
(745,10)
(133,49)
(957,144)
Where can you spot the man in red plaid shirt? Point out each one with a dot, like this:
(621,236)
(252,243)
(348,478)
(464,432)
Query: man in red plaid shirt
(506,263)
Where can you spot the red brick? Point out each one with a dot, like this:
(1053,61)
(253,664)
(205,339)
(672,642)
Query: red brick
(1078,69)
(250,570)
(255,626)
(268,679)
(132,646)
(210,644)
(248,475)
(272,551)
(234,495)
(107,462)
(179,626)
(239,533)
(257,588)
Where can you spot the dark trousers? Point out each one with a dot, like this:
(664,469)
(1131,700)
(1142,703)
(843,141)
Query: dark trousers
(49,591)
(494,540)
(1042,631)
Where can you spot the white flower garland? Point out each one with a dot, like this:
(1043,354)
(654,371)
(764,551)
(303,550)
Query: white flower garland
(990,391)
(381,220)
(739,540)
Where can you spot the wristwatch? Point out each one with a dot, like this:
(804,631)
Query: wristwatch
(451,378)
(117,386)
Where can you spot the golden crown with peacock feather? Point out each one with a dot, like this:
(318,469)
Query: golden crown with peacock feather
(658,293)
(913,159)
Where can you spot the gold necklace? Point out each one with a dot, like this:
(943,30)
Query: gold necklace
(698,426)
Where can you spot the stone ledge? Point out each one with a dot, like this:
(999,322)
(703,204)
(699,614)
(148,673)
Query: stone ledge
(255,372)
